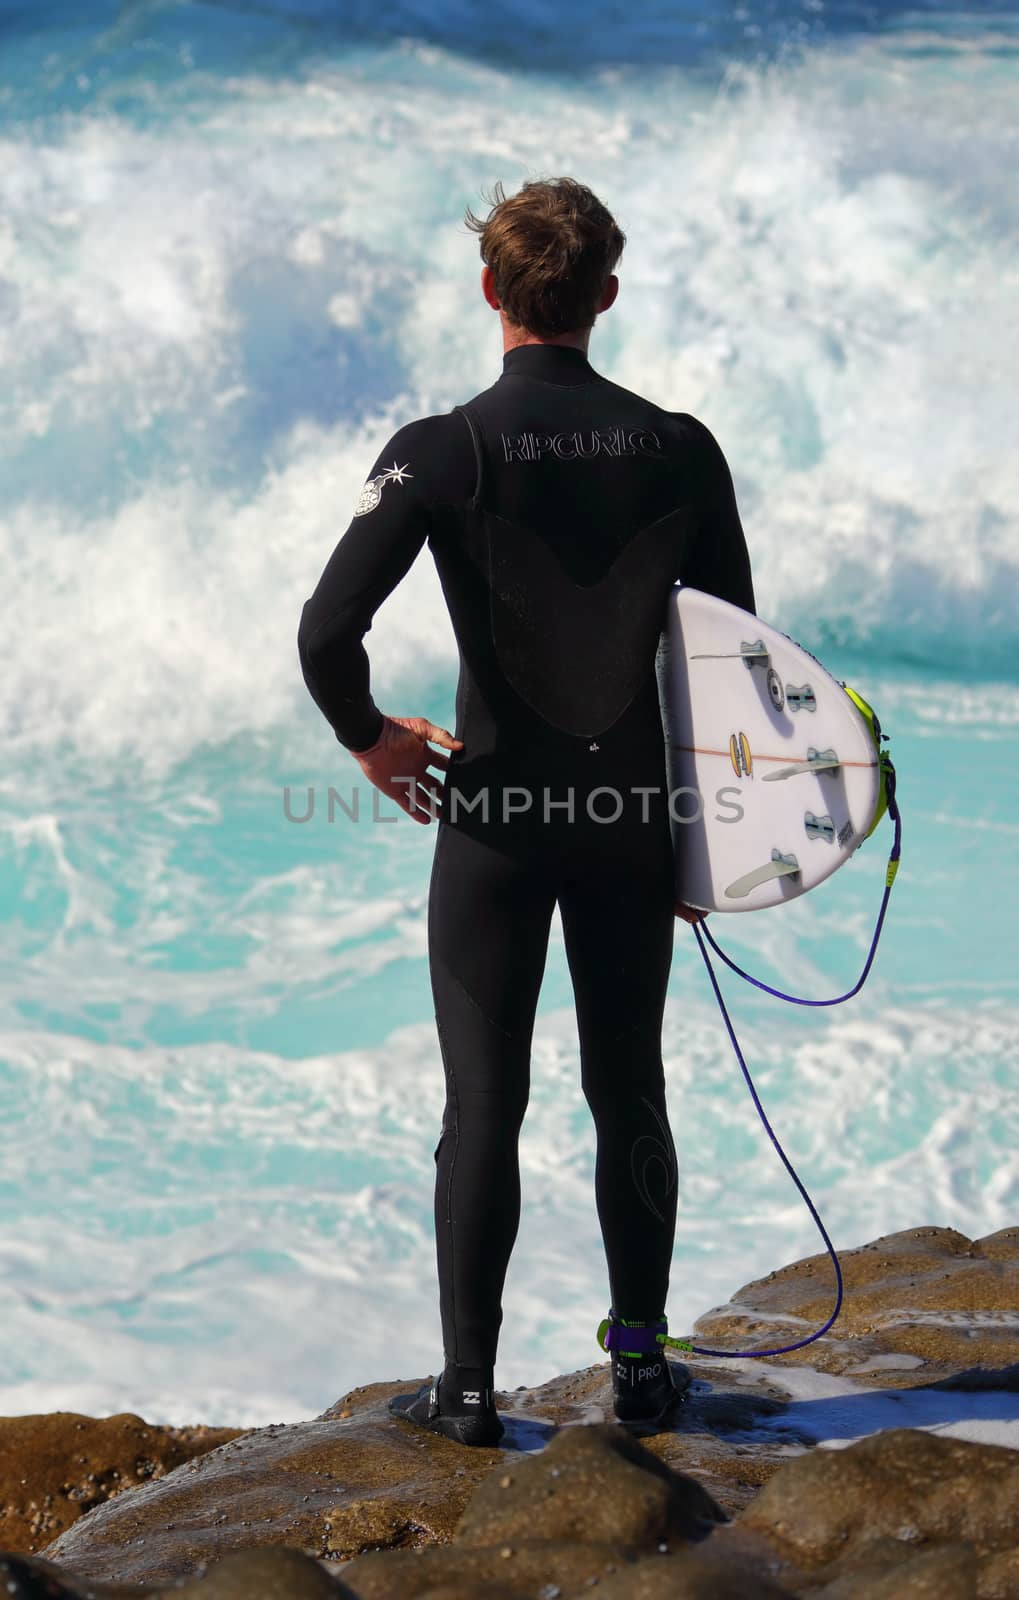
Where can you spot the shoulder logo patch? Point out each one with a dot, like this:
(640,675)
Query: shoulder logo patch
(371,494)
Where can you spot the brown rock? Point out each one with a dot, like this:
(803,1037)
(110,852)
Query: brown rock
(582,1509)
(560,1571)
(534,1569)
(691,1576)
(30,1578)
(453,1591)
(929,1294)
(273,1574)
(947,1572)
(330,1487)
(998,1576)
(905,1485)
(592,1484)
(1001,1246)
(55,1467)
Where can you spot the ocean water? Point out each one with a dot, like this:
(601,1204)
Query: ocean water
(231,264)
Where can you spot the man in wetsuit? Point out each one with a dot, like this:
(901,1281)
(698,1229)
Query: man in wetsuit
(560,509)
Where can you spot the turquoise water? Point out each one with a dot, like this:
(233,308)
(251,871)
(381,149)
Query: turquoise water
(230,266)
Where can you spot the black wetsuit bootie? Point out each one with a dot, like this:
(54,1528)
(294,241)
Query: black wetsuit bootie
(459,1405)
(646,1386)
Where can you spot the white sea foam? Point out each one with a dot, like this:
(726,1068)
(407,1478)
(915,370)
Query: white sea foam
(210,1232)
(819,265)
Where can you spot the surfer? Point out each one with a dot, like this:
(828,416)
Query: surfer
(559,508)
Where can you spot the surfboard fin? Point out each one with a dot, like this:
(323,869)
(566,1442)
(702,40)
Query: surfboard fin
(750,653)
(779,866)
(817,761)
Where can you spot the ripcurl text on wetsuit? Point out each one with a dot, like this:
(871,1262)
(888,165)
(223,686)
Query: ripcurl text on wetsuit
(560,509)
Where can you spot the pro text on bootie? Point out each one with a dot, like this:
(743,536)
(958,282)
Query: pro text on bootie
(646,1387)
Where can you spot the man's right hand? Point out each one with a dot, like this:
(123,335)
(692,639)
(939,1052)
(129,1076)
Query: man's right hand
(398,762)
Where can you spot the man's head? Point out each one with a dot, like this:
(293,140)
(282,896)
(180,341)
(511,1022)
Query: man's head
(549,253)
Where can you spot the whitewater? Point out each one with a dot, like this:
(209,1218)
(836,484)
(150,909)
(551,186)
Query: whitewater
(232,263)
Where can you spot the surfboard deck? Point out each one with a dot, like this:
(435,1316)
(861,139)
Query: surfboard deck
(773,772)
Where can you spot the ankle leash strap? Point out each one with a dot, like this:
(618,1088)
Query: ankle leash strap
(638,1339)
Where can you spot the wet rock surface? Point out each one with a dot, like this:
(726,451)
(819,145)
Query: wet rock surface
(330,1487)
(892,1502)
(733,1499)
(55,1468)
(926,1299)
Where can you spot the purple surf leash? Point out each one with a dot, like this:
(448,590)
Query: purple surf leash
(797,1000)
(703,935)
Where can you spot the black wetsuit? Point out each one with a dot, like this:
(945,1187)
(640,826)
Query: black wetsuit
(560,508)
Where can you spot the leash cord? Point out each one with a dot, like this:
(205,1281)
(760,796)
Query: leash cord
(702,934)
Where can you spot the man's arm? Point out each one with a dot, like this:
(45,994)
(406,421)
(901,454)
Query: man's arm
(718,562)
(388,528)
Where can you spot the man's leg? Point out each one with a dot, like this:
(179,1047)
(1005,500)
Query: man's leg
(618,923)
(488,923)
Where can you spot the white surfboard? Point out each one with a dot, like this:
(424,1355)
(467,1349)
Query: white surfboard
(773,772)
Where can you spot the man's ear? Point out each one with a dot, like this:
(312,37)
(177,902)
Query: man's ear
(611,290)
(488,288)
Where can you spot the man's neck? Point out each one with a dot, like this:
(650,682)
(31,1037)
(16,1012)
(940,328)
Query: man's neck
(513,338)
